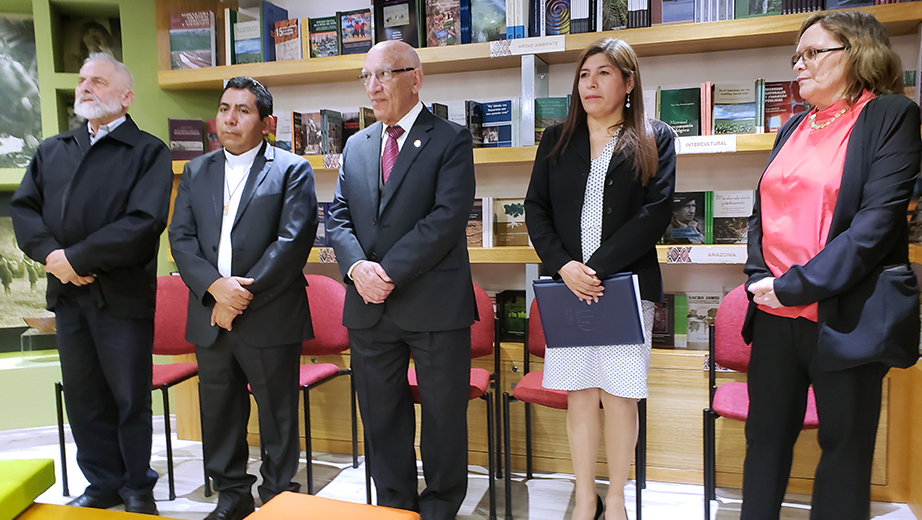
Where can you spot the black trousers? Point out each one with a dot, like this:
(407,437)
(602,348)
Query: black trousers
(380,358)
(782,367)
(106,371)
(225,368)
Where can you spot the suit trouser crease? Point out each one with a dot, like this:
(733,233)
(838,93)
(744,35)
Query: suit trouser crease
(225,369)
(380,358)
(783,365)
(106,364)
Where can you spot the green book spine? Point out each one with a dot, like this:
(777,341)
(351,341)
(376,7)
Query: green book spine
(680,320)
(709,217)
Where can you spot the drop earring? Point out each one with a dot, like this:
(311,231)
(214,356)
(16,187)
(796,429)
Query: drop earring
(627,101)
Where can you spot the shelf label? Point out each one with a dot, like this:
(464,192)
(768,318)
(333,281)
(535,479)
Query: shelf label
(706,144)
(724,254)
(519,46)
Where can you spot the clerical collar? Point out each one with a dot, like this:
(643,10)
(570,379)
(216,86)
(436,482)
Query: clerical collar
(246,158)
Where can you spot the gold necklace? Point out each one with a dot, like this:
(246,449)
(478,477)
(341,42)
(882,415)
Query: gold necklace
(815,126)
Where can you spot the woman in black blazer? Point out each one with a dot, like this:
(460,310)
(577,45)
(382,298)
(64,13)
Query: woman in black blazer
(600,197)
(834,300)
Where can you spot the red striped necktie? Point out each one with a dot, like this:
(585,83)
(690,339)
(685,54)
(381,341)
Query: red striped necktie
(390,151)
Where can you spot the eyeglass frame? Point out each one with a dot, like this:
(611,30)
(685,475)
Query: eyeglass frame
(813,52)
(382,75)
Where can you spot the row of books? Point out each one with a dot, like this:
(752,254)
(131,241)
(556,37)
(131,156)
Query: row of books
(497,222)
(710,217)
(681,321)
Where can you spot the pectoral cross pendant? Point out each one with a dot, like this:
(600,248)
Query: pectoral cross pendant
(225,210)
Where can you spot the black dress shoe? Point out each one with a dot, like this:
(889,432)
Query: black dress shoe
(85,500)
(237,510)
(598,508)
(143,504)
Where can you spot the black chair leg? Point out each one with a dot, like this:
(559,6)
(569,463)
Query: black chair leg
(497,420)
(710,484)
(308,447)
(59,401)
(169,441)
(202,425)
(507,454)
(640,457)
(529,474)
(355,428)
(491,454)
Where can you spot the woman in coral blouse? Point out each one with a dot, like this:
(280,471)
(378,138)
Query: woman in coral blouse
(835,303)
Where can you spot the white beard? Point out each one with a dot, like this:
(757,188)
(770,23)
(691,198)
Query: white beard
(97,108)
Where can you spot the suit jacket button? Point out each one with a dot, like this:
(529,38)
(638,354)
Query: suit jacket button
(374,221)
(610,182)
(608,211)
(214,248)
(374,256)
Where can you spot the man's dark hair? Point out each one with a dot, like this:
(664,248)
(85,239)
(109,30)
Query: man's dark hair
(263,97)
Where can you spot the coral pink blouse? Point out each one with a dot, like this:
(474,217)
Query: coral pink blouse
(798,193)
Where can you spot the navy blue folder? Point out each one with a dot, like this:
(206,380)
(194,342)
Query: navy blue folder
(568,322)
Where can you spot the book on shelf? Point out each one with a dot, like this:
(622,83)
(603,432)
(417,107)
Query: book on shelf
(272,122)
(732,209)
(735,109)
(829,5)
(331,133)
(211,135)
(692,218)
(355,121)
(289,134)
(324,39)
(439,110)
(187,138)
(509,223)
(782,100)
(702,309)
(473,118)
(556,17)
(312,123)
(354,31)
(401,20)
(753,8)
(248,41)
(511,309)
(681,109)
(231,18)
(707,115)
(288,40)
(549,111)
(909,84)
(611,14)
(443,22)
(475,225)
(582,16)
(638,13)
(79,36)
(488,20)
(678,11)
(500,123)
(271,14)
(322,238)
(680,320)
(192,40)
(663,322)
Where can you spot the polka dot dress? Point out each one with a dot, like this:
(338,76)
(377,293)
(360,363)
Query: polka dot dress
(620,370)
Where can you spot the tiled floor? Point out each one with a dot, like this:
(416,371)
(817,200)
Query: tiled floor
(546,497)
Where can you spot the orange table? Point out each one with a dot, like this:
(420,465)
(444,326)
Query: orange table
(297,506)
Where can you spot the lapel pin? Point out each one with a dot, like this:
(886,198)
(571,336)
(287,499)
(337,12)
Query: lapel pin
(417,143)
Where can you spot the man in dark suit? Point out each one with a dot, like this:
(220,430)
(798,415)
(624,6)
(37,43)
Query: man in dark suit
(243,225)
(402,201)
(91,207)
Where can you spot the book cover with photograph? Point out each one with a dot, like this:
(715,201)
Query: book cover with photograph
(331,124)
(211,135)
(663,326)
(312,122)
(248,42)
(187,138)
(488,20)
(549,111)
(692,215)
(734,108)
(289,132)
(499,120)
(288,40)
(443,22)
(192,40)
(702,309)
(82,36)
(732,210)
(475,225)
(752,8)
(355,31)
(323,37)
(401,20)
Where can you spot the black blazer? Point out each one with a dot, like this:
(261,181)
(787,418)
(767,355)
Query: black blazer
(635,216)
(105,205)
(415,228)
(868,296)
(272,236)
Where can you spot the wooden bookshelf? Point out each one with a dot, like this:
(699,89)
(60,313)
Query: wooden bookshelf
(915,253)
(659,40)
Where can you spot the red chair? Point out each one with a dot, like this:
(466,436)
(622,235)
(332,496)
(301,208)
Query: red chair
(531,391)
(731,400)
(483,343)
(169,340)
(326,297)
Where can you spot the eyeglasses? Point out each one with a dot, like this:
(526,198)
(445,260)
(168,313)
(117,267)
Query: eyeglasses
(382,75)
(810,54)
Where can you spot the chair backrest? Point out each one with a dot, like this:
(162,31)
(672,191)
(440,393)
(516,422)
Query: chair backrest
(326,297)
(483,331)
(536,341)
(730,350)
(170,317)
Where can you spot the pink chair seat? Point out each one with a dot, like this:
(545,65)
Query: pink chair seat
(314,373)
(480,383)
(530,390)
(173,373)
(731,400)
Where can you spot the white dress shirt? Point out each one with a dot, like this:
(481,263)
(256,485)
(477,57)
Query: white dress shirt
(103,129)
(236,172)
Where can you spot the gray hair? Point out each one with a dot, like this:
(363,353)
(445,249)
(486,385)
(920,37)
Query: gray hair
(119,66)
